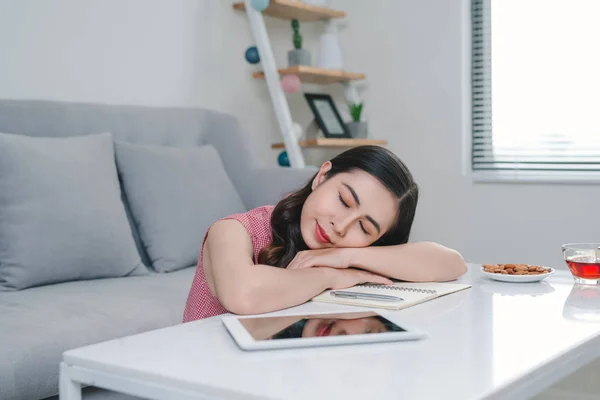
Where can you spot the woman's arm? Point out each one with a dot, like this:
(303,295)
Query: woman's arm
(245,288)
(417,262)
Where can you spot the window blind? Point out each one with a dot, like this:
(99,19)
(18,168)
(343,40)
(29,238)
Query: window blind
(535,88)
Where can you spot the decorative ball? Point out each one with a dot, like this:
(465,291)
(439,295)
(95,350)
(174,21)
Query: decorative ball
(252,55)
(283,159)
(290,83)
(260,5)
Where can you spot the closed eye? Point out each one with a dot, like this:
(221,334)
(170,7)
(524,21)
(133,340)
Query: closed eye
(342,200)
(363,228)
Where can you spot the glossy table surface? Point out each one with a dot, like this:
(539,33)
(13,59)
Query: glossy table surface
(494,341)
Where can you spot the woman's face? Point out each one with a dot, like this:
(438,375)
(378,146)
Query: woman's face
(349,209)
(337,327)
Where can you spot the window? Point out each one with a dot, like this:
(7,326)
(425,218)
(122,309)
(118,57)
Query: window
(536,88)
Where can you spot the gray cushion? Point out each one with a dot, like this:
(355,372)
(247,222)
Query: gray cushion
(174,195)
(61,215)
(37,325)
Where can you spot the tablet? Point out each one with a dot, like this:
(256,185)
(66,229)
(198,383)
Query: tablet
(312,330)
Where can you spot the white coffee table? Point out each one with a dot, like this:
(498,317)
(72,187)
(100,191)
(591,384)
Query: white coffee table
(494,341)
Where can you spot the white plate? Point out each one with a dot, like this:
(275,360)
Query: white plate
(517,278)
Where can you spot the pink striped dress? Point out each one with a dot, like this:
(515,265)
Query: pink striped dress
(200,302)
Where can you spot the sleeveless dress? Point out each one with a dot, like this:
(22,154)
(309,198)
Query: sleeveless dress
(201,303)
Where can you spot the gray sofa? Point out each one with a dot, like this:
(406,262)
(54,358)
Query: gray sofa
(37,324)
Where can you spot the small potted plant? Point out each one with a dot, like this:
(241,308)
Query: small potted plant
(357,128)
(298,56)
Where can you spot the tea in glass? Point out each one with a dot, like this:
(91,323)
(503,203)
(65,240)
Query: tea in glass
(583,260)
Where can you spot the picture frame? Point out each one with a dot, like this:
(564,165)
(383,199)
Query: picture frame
(327,116)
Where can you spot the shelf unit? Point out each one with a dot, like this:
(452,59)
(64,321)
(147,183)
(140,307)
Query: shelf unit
(308,74)
(327,142)
(290,9)
(294,9)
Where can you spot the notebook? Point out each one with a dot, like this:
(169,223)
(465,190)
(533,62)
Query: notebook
(410,292)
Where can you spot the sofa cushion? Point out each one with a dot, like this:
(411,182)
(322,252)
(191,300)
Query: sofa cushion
(61,214)
(37,325)
(174,195)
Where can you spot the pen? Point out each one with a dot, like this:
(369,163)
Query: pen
(367,296)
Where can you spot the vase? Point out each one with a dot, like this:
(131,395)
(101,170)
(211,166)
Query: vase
(330,55)
(358,130)
(298,57)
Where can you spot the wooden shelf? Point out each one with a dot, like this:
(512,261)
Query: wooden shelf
(293,9)
(308,74)
(326,142)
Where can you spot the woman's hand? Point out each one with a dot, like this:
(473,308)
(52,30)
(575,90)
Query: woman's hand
(345,278)
(337,262)
(332,257)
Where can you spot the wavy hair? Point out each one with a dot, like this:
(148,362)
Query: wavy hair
(377,161)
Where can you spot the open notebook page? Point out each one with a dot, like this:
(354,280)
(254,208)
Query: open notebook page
(411,294)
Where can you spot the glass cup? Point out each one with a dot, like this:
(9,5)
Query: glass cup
(583,260)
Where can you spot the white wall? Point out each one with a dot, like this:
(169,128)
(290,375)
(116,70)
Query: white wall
(190,53)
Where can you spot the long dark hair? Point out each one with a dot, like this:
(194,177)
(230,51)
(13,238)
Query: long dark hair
(376,161)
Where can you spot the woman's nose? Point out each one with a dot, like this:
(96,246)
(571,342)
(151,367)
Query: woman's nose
(340,227)
(337,228)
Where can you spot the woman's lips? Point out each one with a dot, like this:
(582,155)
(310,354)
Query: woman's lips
(326,330)
(321,234)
